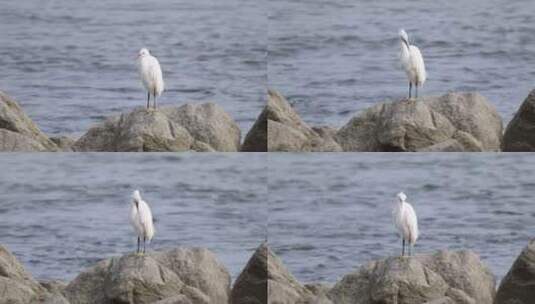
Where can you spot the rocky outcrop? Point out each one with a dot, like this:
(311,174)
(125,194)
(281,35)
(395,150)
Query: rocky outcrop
(204,127)
(18,287)
(287,132)
(283,288)
(256,138)
(251,285)
(444,277)
(518,285)
(173,276)
(453,122)
(18,133)
(520,132)
(64,143)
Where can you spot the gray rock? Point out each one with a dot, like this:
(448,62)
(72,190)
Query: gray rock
(251,285)
(453,122)
(17,285)
(203,127)
(439,278)
(176,276)
(518,285)
(283,288)
(64,143)
(520,132)
(289,133)
(18,133)
(257,138)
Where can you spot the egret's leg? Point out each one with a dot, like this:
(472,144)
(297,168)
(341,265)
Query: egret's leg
(410,89)
(144,241)
(138,241)
(154,99)
(148,99)
(410,246)
(416,86)
(402,247)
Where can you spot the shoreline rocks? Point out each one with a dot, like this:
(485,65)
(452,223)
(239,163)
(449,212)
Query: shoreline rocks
(520,132)
(18,133)
(457,277)
(190,127)
(518,285)
(203,127)
(462,122)
(193,274)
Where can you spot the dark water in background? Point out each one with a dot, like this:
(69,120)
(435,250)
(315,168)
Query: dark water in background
(62,214)
(72,63)
(331,213)
(335,58)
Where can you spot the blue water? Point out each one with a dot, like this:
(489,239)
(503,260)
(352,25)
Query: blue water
(72,63)
(336,58)
(61,213)
(331,213)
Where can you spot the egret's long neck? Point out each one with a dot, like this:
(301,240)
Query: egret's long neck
(404,48)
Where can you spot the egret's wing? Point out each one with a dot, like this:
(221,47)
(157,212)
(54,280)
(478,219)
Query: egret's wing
(145,216)
(156,75)
(417,62)
(411,221)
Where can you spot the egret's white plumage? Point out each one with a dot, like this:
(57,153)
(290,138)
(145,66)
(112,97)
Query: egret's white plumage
(141,219)
(151,74)
(412,62)
(405,221)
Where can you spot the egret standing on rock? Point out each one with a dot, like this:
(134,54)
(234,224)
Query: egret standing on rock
(405,222)
(141,220)
(412,62)
(151,75)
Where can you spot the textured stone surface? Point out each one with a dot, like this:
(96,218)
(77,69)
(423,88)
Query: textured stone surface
(520,132)
(518,285)
(251,285)
(203,127)
(439,278)
(453,122)
(18,133)
(176,276)
(287,132)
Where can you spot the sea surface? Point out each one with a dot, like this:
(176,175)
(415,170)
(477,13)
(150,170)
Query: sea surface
(330,213)
(72,63)
(334,58)
(62,214)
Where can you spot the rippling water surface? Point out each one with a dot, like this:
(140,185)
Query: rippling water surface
(334,58)
(71,63)
(331,213)
(62,214)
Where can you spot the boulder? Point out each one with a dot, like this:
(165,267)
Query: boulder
(287,132)
(18,133)
(518,285)
(197,127)
(453,122)
(256,138)
(520,132)
(443,277)
(179,275)
(17,285)
(251,285)
(64,143)
(282,287)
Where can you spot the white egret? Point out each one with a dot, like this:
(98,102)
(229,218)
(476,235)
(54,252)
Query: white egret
(405,222)
(151,74)
(141,220)
(412,62)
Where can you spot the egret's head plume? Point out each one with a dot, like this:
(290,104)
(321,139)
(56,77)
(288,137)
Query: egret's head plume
(402,197)
(143,52)
(403,35)
(136,196)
